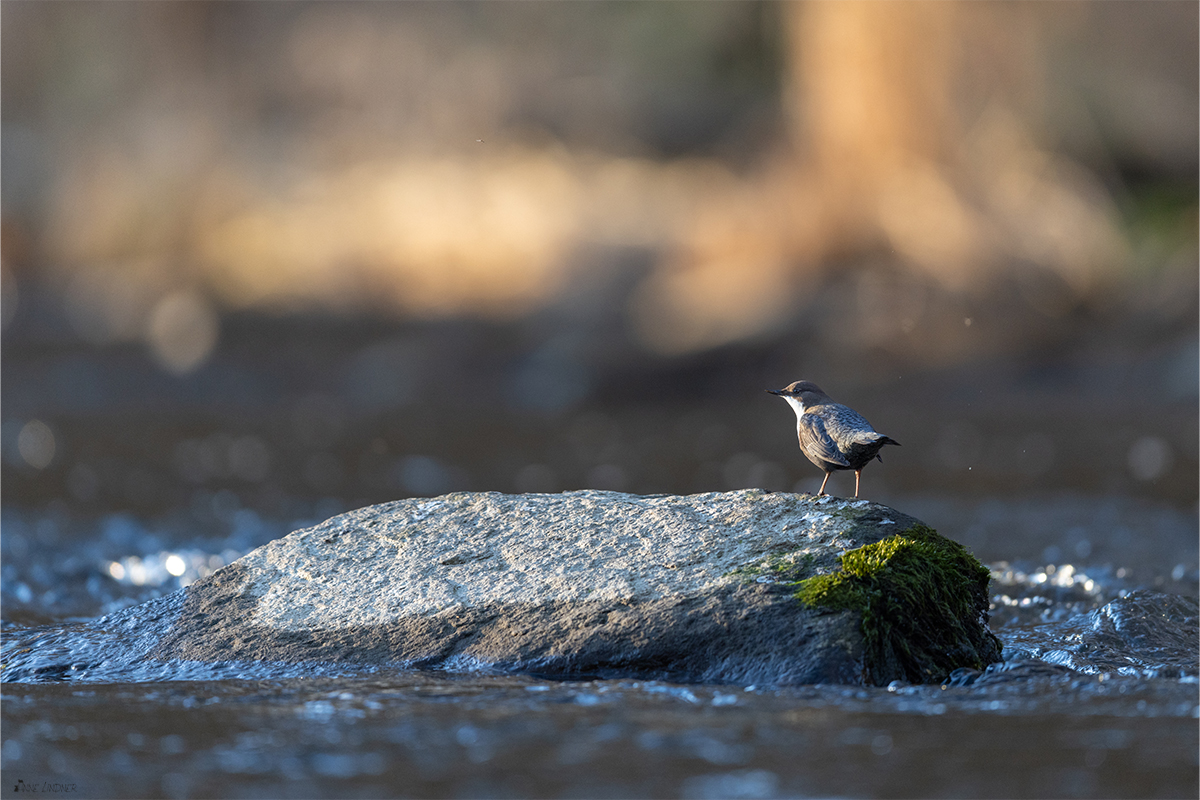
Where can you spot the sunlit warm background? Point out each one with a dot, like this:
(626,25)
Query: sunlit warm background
(280,259)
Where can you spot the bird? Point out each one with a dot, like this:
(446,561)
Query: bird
(832,435)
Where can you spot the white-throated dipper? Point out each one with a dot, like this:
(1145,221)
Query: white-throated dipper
(832,435)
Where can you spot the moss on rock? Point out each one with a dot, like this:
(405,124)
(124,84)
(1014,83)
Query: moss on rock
(923,600)
(784,568)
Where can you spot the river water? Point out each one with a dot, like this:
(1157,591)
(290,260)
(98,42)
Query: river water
(1097,697)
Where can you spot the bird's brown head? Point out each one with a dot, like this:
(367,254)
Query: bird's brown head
(805,390)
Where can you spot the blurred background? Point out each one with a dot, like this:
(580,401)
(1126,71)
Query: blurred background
(265,262)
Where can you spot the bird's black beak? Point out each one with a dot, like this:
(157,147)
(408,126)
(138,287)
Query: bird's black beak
(780,392)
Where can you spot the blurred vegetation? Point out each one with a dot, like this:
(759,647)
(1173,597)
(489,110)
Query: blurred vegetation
(356,250)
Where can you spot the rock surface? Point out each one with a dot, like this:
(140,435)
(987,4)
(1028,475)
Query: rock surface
(700,588)
(577,584)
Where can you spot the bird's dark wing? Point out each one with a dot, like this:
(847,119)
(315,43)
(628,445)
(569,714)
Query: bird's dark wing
(816,440)
(846,425)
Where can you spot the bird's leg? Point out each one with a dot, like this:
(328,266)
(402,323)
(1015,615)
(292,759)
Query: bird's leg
(821,491)
(857,475)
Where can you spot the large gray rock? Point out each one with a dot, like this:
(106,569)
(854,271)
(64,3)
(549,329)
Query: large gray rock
(698,588)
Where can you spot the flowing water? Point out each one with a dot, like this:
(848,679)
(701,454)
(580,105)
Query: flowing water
(1097,697)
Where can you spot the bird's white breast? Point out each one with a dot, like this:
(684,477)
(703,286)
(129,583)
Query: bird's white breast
(797,405)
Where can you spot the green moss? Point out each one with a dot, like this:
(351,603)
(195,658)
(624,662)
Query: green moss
(923,600)
(782,568)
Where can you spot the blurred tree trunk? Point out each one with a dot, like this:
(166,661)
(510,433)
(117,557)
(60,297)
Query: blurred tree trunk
(869,93)
(914,134)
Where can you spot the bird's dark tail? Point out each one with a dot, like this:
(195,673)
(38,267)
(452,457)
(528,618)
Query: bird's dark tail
(882,441)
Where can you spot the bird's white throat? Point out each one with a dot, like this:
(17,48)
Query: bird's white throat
(797,405)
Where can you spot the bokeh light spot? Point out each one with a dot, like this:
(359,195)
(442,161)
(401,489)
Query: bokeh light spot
(1149,457)
(182,331)
(36,444)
